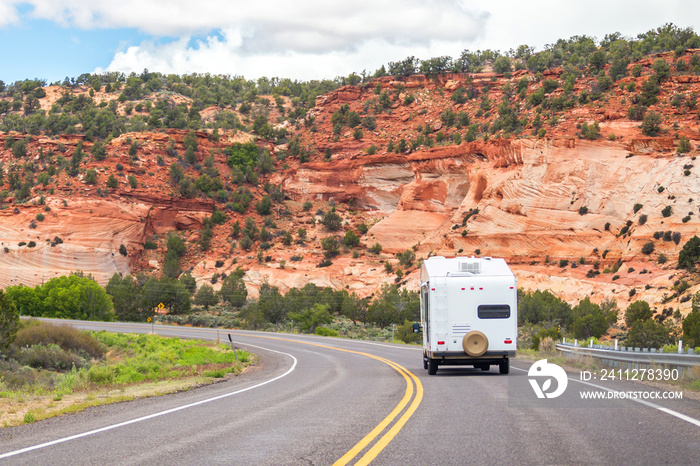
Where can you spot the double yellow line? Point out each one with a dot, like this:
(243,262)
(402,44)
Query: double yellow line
(398,425)
(411,382)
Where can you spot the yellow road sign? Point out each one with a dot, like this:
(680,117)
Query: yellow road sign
(161,306)
(148,320)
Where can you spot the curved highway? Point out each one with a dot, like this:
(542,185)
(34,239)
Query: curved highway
(315,400)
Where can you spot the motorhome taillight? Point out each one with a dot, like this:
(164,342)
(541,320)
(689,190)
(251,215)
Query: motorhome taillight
(508,341)
(440,342)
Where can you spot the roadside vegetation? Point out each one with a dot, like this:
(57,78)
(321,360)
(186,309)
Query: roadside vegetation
(53,369)
(544,318)
(324,311)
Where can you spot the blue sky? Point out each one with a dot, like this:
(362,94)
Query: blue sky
(304,39)
(43,49)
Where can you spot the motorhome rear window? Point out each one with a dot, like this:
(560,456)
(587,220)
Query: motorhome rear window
(493,311)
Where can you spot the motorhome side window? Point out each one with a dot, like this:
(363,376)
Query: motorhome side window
(493,311)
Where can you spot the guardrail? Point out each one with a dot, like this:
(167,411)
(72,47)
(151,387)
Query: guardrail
(632,358)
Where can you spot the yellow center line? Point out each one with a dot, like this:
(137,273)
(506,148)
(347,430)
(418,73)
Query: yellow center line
(389,436)
(359,446)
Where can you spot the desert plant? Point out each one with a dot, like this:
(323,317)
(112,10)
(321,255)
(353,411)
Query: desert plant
(648,248)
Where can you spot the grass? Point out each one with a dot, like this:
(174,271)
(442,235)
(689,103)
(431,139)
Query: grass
(134,366)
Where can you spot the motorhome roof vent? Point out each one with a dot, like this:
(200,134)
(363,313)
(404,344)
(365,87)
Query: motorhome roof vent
(473,267)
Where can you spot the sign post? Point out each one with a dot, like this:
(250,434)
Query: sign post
(233,347)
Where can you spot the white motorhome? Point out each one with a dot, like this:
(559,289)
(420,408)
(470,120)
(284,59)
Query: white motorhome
(469,313)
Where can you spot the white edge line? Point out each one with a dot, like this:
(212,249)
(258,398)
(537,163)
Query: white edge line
(644,402)
(154,415)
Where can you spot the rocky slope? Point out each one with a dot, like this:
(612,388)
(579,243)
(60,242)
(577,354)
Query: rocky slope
(566,211)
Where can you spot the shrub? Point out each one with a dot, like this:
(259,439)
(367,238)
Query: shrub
(264,206)
(638,310)
(206,297)
(406,258)
(218,217)
(376,248)
(50,357)
(648,333)
(176,245)
(332,221)
(648,248)
(351,240)
(691,324)
(590,131)
(651,124)
(637,112)
(67,338)
(666,212)
(102,374)
(122,250)
(689,254)
(9,317)
(683,145)
(331,246)
(326,332)
(325,263)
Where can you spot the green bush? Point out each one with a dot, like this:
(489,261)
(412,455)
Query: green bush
(689,254)
(648,334)
(404,332)
(651,124)
(638,310)
(102,375)
(326,332)
(67,338)
(683,145)
(332,221)
(50,356)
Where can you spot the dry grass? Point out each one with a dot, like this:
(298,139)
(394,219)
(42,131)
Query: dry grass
(14,408)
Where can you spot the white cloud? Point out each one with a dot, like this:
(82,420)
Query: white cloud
(8,12)
(304,25)
(222,55)
(307,39)
(540,22)
(303,39)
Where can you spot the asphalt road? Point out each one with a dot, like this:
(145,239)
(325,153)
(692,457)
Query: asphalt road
(315,400)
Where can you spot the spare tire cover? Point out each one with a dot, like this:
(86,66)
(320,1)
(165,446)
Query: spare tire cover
(475,343)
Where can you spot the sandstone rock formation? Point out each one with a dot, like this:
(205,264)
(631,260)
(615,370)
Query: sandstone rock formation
(570,214)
